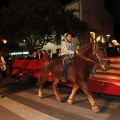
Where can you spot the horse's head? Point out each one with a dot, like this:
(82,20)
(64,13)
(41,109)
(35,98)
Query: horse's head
(100,56)
(96,53)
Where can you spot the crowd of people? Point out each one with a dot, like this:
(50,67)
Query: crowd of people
(43,55)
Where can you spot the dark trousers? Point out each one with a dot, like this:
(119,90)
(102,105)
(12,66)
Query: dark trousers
(66,63)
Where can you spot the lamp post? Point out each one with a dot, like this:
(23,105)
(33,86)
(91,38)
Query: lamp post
(108,36)
(4,41)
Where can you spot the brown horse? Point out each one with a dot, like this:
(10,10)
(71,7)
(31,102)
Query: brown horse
(78,72)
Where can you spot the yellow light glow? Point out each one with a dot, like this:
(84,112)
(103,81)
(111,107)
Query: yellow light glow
(100,38)
(115,42)
(4,41)
(92,34)
(108,35)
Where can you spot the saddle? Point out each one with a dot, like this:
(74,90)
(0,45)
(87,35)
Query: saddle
(56,65)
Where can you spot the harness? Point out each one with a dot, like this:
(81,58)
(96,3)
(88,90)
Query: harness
(95,52)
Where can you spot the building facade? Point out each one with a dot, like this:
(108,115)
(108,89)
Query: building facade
(99,20)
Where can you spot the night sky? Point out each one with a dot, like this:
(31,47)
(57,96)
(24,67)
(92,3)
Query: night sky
(5,2)
(63,2)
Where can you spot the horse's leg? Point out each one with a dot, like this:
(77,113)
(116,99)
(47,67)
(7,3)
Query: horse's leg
(73,93)
(54,86)
(42,81)
(44,74)
(43,78)
(85,89)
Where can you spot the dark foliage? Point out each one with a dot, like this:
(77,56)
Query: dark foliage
(38,22)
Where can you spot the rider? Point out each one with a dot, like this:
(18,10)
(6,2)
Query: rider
(67,51)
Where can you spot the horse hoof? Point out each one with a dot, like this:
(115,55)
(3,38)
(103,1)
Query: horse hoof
(69,102)
(95,109)
(58,99)
(40,95)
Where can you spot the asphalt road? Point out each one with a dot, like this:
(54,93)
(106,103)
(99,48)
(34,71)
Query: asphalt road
(19,101)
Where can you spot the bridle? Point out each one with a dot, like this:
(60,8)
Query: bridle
(95,53)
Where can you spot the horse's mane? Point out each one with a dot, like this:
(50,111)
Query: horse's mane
(84,48)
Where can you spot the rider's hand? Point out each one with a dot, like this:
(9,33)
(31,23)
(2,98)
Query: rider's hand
(77,52)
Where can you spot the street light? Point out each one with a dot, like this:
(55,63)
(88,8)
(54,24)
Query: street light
(108,36)
(4,41)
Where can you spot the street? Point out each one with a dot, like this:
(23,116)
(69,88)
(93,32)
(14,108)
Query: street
(19,101)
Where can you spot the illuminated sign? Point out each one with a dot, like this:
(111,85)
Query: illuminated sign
(19,53)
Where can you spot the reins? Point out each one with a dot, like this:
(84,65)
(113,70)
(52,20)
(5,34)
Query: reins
(94,53)
(87,59)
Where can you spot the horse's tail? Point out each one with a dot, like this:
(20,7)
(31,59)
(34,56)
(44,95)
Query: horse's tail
(44,73)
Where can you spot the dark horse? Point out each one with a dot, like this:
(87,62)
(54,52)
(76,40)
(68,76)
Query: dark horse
(78,72)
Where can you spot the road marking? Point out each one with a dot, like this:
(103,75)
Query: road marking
(24,111)
(65,107)
(100,102)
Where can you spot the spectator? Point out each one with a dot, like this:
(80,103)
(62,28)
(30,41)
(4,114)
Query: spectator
(50,54)
(44,55)
(111,50)
(29,56)
(118,49)
(10,62)
(2,65)
(35,55)
(59,53)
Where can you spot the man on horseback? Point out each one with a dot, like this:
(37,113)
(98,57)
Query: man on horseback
(67,51)
(79,72)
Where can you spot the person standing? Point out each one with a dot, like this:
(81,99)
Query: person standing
(2,65)
(67,52)
(44,55)
(59,53)
(35,55)
(111,50)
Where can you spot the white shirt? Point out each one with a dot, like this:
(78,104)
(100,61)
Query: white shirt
(67,48)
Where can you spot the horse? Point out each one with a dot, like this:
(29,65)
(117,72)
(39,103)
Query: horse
(78,73)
